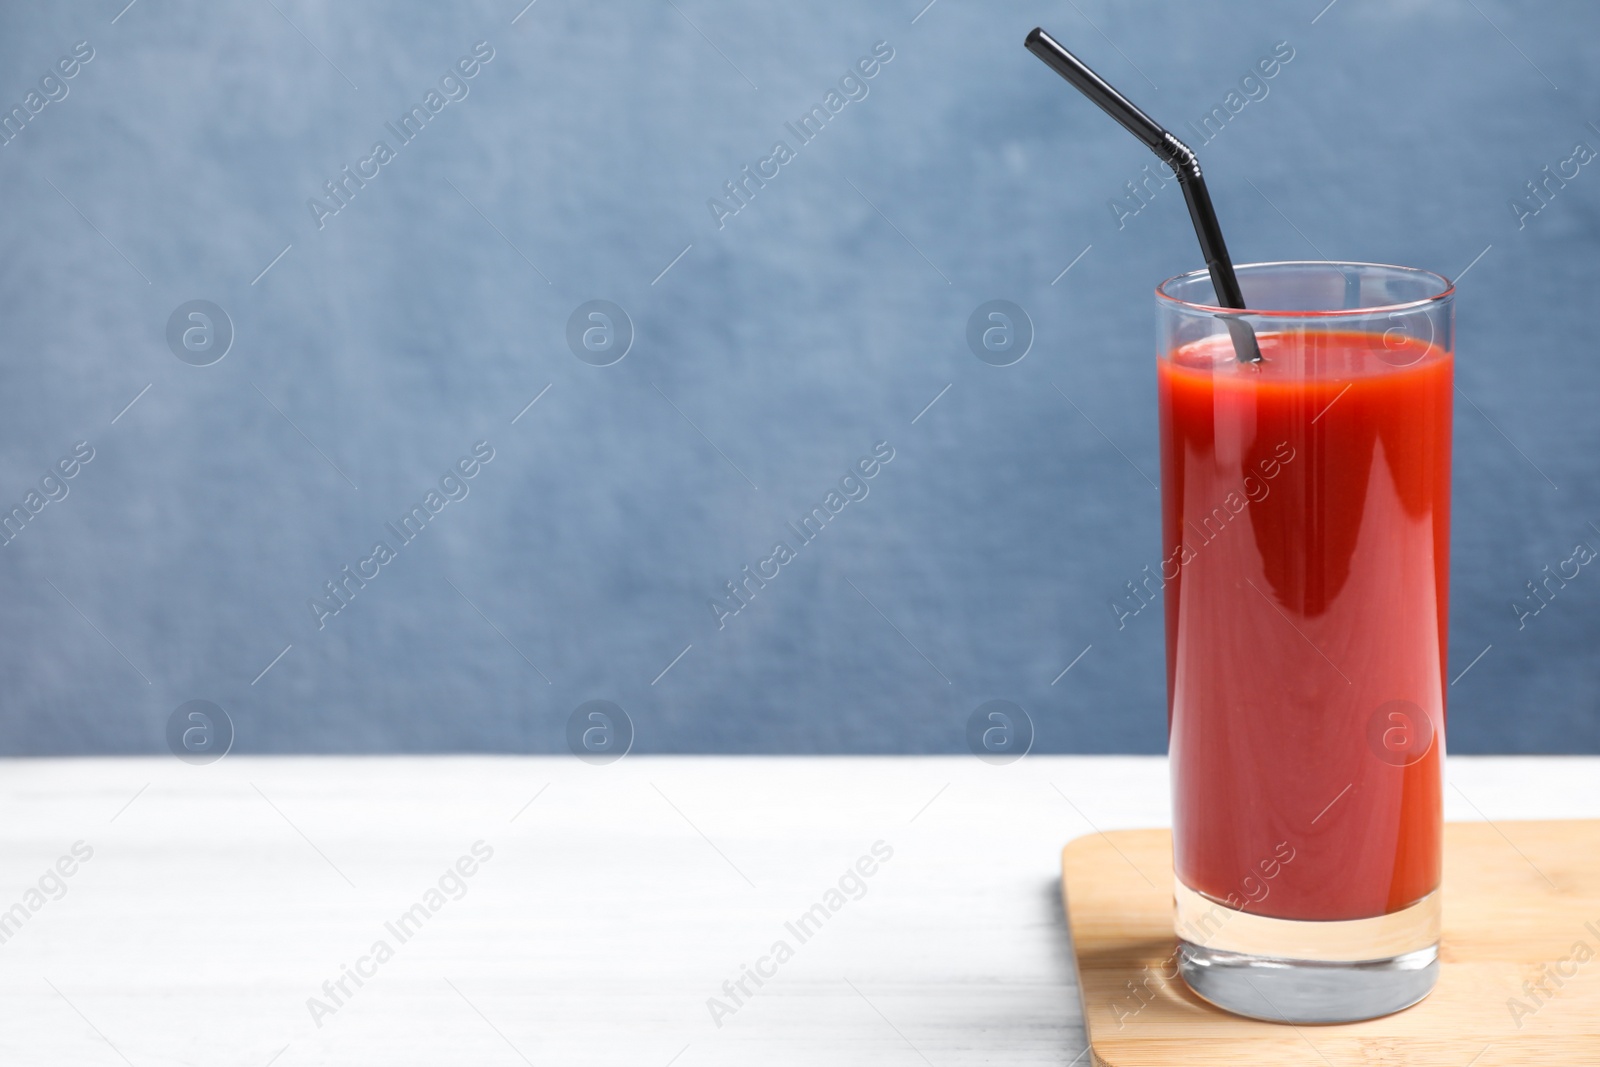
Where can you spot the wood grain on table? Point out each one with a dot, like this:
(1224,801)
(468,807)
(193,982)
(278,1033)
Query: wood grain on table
(617,903)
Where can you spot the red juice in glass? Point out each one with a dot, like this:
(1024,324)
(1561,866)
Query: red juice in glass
(1305,558)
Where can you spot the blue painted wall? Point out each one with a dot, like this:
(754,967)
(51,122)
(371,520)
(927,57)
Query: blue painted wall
(772,350)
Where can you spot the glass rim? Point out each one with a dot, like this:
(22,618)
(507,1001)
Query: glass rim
(1447,289)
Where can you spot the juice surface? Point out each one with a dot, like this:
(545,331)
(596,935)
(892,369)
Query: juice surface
(1305,560)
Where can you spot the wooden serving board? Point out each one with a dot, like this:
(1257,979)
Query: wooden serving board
(1521,905)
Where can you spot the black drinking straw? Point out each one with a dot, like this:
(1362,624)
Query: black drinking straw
(1181,158)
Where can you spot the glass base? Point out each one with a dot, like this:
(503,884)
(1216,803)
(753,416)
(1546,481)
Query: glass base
(1308,991)
(1297,971)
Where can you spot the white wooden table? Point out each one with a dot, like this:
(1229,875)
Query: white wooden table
(618,900)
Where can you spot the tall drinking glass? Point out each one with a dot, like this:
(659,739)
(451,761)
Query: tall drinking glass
(1306,536)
